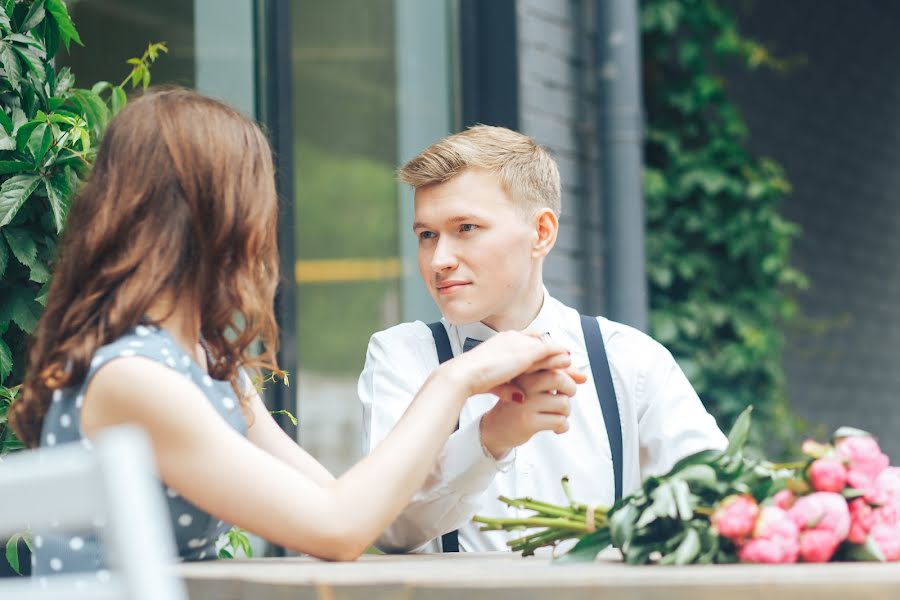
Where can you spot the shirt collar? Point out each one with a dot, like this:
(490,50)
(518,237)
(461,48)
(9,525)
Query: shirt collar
(545,321)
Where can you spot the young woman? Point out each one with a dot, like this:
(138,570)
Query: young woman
(166,278)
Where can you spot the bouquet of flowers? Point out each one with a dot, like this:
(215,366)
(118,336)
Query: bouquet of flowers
(841,502)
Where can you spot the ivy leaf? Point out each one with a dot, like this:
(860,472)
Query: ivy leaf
(65,79)
(8,167)
(13,194)
(92,107)
(59,187)
(6,360)
(39,142)
(6,121)
(4,257)
(118,100)
(35,15)
(39,274)
(22,245)
(60,14)
(18,306)
(11,66)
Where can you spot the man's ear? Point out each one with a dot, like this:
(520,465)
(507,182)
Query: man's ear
(546,226)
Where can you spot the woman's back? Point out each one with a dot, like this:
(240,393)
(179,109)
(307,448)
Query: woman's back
(195,531)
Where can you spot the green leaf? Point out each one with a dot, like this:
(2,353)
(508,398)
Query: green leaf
(621,524)
(698,458)
(6,360)
(13,194)
(92,107)
(50,32)
(65,79)
(869,551)
(18,306)
(118,99)
(60,189)
(39,273)
(8,6)
(23,134)
(39,142)
(684,500)
(6,121)
(12,552)
(11,66)
(22,244)
(67,31)
(4,257)
(31,59)
(35,15)
(688,548)
(586,549)
(8,167)
(737,437)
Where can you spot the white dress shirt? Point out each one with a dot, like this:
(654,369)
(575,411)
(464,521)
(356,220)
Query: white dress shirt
(662,418)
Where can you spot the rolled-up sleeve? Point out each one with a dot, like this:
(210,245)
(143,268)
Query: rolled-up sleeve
(397,365)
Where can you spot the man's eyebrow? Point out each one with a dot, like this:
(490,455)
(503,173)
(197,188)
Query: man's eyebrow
(452,221)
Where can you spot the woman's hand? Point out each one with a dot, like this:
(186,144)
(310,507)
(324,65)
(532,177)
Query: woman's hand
(501,359)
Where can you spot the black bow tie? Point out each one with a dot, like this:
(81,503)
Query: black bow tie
(470,343)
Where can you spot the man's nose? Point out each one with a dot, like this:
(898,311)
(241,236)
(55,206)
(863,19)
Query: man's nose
(444,256)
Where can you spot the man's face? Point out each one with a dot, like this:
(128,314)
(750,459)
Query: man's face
(475,247)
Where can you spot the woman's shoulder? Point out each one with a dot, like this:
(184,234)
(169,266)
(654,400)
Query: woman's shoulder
(147,341)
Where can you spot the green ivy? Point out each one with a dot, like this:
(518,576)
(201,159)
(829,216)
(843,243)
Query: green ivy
(718,246)
(49,131)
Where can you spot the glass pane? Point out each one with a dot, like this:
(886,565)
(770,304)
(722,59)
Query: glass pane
(346,224)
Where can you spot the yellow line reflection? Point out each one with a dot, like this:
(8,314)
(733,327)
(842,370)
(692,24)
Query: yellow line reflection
(347,269)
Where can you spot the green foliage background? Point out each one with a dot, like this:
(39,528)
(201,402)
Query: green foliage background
(49,130)
(717,245)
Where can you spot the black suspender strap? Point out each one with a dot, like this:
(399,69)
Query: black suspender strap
(609,406)
(606,393)
(450,540)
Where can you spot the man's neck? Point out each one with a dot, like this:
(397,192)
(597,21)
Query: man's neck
(520,315)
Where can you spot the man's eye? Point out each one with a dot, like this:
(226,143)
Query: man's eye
(426,235)
(467,227)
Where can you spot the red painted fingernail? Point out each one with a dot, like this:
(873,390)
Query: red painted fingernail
(518,397)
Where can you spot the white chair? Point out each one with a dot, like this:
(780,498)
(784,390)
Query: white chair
(69,487)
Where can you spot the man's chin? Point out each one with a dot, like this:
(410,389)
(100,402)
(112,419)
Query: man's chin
(460,317)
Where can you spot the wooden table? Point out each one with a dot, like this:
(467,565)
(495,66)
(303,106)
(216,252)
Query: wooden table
(502,576)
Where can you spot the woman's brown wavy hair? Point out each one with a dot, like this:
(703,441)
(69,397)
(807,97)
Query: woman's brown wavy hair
(180,203)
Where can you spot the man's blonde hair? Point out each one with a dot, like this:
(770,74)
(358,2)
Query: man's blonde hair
(526,170)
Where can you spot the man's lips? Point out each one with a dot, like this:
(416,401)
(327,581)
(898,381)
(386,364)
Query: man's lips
(448,287)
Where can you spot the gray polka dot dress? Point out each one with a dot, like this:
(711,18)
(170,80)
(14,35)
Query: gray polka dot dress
(196,532)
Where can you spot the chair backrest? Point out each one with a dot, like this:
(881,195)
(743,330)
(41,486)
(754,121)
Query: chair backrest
(70,487)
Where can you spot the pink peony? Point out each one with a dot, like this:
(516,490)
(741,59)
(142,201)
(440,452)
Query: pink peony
(862,518)
(865,460)
(887,538)
(886,487)
(735,517)
(827,475)
(775,538)
(822,510)
(784,499)
(818,545)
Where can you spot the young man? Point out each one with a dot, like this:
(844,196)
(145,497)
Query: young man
(487,204)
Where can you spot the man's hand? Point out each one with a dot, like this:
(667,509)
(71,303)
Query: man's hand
(540,403)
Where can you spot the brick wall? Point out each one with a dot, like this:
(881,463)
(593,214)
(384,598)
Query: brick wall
(834,124)
(558,107)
